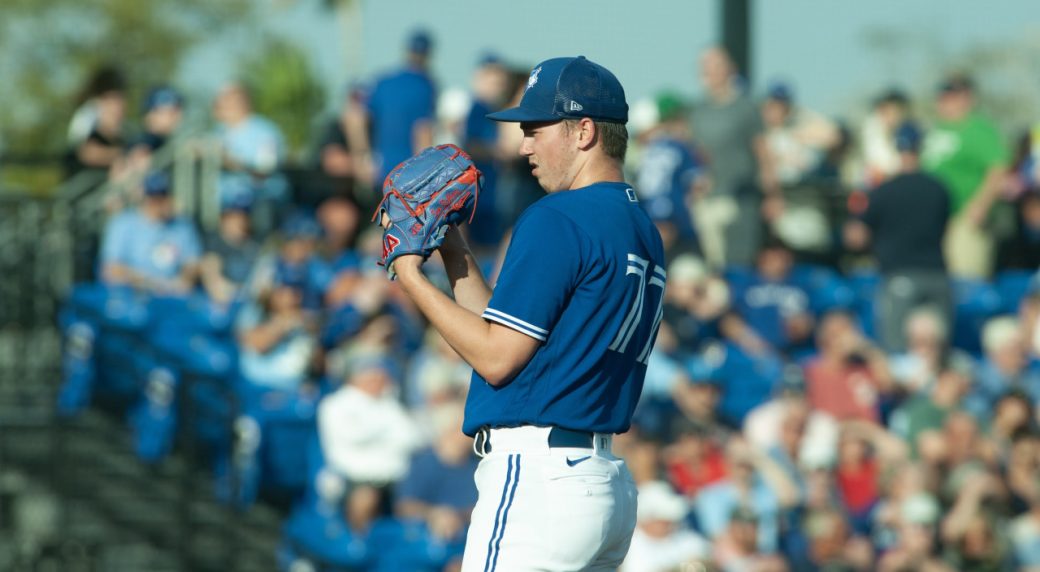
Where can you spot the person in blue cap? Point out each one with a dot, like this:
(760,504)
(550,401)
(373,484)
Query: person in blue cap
(149,247)
(400,112)
(559,346)
(905,225)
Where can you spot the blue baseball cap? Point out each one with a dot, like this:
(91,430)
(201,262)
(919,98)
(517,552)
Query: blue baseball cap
(156,184)
(420,42)
(908,137)
(569,88)
(301,226)
(290,276)
(162,96)
(780,91)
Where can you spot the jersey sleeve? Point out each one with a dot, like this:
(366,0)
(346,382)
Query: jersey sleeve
(541,270)
(114,245)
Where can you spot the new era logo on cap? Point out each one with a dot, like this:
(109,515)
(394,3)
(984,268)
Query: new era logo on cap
(555,88)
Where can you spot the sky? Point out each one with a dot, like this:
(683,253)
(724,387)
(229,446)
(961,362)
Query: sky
(827,50)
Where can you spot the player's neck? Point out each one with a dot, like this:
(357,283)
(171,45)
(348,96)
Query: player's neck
(601,170)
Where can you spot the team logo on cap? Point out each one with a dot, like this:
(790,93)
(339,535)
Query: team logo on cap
(575,106)
(534,77)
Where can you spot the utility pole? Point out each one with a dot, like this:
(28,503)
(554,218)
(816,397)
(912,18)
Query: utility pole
(736,33)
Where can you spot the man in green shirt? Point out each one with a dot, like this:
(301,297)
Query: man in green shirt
(967,152)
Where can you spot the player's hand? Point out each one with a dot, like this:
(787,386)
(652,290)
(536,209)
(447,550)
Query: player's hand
(408,263)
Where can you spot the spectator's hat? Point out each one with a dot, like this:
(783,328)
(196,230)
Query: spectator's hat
(702,371)
(908,137)
(687,268)
(162,96)
(420,42)
(670,105)
(657,501)
(490,58)
(569,88)
(235,195)
(301,226)
(780,91)
(920,508)
(290,276)
(956,83)
(892,95)
(363,361)
(743,514)
(157,184)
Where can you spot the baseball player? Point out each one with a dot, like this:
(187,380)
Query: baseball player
(559,347)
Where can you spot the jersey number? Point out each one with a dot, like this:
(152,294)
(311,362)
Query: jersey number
(638,267)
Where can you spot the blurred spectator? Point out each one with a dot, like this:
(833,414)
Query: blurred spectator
(763,426)
(660,542)
(231,252)
(796,136)
(877,137)
(366,434)
(253,150)
(339,219)
(849,376)
(296,261)
(921,415)
(738,548)
(437,375)
(439,487)
(149,247)
(275,335)
(400,112)
(97,133)
(798,139)
(694,456)
(161,117)
(905,223)
(1020,250)
(974,537)
(668,175)
(516,187)
(756,485)
(928,350)
(335,145)
(773,306)
(866,452)
(967,152)
(695,302)
(1005,366)
(727,127)
(480,140)
(916,542)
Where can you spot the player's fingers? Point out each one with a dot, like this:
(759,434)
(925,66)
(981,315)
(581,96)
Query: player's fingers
(385,221)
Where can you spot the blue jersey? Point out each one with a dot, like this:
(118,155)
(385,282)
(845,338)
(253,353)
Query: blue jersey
(398,102)
(584,274)
(156,249)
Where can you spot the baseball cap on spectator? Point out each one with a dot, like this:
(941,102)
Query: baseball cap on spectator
(657,501)
(920,508)
(490,59)
(156,184)
(162,96)
(892,96)
(687,268)
(780,91)
(235,194)
(301,226)
(420,42)
(569,88)
(670,105)
(957,83)
(368,360)
(702,371)
(290,275)
(743,514)
(908,138)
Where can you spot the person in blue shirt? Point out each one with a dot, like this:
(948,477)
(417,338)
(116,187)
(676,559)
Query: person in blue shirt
(149,247)
(480,139)
(401,111)
(559,346)
(253,149)
(669,173)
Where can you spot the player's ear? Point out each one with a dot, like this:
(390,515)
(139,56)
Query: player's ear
(587,133)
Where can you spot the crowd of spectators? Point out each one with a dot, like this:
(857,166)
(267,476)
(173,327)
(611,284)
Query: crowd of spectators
(823,394)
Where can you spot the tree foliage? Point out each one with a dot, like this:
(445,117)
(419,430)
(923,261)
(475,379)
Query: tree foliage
(285,89)
(49,47)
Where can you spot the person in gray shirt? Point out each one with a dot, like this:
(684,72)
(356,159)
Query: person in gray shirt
(727,128)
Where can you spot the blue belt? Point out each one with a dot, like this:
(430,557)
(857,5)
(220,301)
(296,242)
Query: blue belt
(558,437)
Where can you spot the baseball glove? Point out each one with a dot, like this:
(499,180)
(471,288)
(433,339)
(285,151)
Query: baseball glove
(422,197)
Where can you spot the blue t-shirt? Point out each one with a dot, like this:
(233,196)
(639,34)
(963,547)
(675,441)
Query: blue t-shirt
(480,130)
(431,481)
(155,249)
(584,274)
(666,174)
(766,305)
(398,102)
